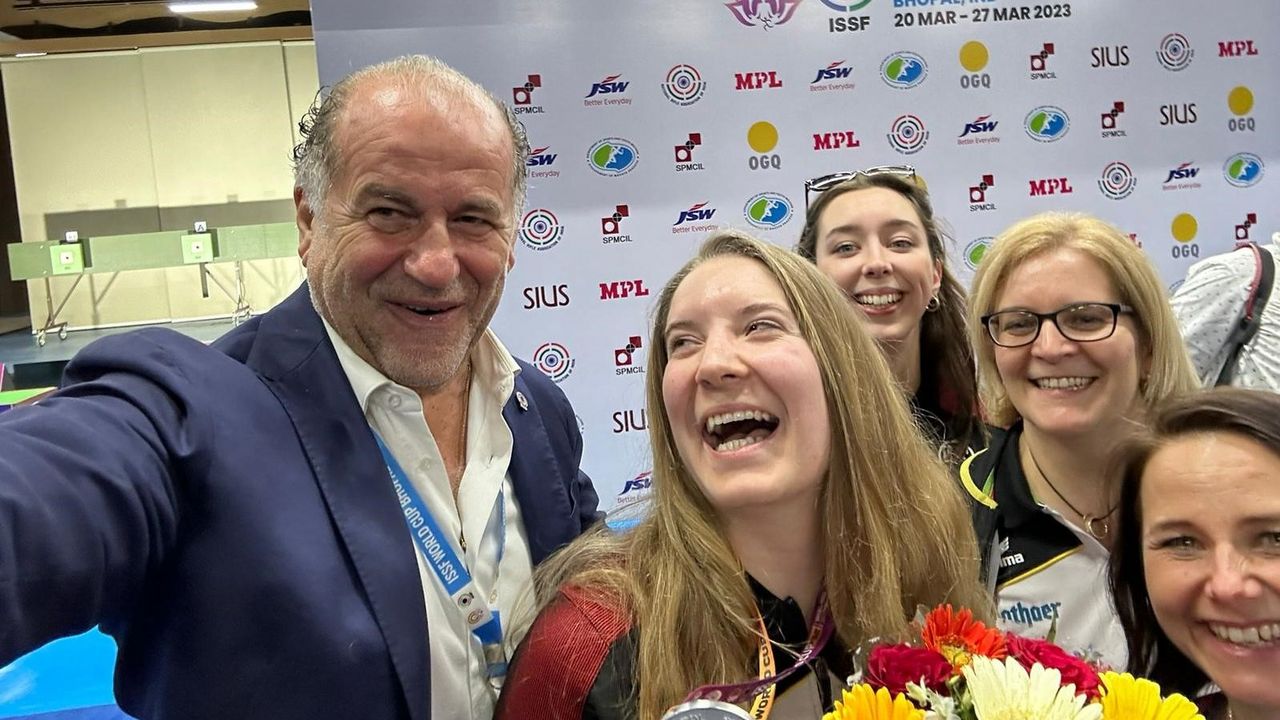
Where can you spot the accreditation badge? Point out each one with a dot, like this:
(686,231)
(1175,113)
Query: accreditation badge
(706,710)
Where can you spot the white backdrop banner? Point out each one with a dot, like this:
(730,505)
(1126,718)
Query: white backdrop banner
(655,122)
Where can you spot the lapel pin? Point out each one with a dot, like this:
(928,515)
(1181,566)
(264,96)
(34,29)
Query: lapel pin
(522,401)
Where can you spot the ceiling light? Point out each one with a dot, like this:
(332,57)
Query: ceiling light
(30,54)
(213,6)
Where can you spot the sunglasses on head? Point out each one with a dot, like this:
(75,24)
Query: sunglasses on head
(823,183)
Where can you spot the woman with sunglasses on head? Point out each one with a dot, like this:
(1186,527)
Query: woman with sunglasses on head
(873,232)
(1075,342)
(796,514)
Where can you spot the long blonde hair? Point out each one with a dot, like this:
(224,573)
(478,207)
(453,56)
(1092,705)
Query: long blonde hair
(897,530)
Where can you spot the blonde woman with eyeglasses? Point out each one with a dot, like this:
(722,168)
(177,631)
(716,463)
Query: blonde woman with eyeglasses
(1075,343)
(874,233)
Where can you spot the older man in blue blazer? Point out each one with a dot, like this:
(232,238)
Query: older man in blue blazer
(332,511)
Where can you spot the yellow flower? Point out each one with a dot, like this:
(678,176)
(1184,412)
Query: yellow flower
(1125,697)
(1004,690)
(863,703)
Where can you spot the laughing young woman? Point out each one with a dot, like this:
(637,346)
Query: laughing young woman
(796,513)
(1075,341)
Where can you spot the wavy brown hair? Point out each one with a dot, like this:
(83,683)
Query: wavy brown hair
(897,530)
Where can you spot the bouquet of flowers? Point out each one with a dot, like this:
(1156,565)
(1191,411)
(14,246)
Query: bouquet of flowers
(963,670)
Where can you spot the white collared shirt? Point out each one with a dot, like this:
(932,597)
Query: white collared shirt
(396,413)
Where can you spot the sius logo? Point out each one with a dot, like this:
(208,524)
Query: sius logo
(907,135)
(1178,114)
(1050,186)
(620,289)
(684,154)
(554,361)
(625,421)
(837,140)
(611,226)
(1117,181)
(1182,177)
(834,71)
(978,194)
(1243,169)
(758,80)
(903,70)
(540,230)
(545,296)
(1047,123)
(768,210)
(762,13)
(695,219)
(1109,56)
(611,87)
(1110,120)
(1175,52)
(1236,48)
(979,132)
(612,157)
(624,358)
(522,96)
(1040,64)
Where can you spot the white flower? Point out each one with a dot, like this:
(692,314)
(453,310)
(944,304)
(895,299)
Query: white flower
(1004,690)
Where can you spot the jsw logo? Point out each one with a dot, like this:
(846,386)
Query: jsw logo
(607,86)
(981,125)
(640,482)
(832,72)
(540,156)
(1182,172)
(696,213)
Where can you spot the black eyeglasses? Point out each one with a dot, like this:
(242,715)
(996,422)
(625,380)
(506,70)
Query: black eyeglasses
(821,184)
(1082,322)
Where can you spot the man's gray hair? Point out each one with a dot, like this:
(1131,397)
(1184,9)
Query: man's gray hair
(316,158)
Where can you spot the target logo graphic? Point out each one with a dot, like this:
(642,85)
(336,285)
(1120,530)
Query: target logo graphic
(540,230)
(684,85)
(1117,181)
(554,361)
(1175,52)
(907,134)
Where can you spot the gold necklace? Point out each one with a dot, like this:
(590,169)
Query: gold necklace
(1098,526)
(460,458)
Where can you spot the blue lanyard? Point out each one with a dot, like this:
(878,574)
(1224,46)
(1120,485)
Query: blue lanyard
(452,572)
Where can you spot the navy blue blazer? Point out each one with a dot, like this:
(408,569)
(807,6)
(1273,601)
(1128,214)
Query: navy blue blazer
(225,514)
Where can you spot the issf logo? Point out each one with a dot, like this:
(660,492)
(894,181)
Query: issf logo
(612,157)
(1243,169)
(903,70)
(768,210)
(1047,123)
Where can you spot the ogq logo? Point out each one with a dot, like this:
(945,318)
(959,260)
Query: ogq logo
(554,361)
(768,210)
(1047,123)
(1243,169)
(540,230)
(612,157)
(903,70)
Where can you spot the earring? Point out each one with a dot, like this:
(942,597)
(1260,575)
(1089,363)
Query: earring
(933,304)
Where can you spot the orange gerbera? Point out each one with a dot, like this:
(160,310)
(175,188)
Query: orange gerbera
(958,636)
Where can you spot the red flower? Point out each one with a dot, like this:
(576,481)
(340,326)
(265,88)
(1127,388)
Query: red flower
(893,666)
(957,635)
(1074,670)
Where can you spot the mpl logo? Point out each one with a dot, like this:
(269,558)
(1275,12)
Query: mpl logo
(1236,48)
(1178,114)
(975,250)
(624,358)
(1175,52)
(979,132)
(832,77)
(612,157)
(1117,181)
(684,154)
(907,135)
(1040,64)
(684,85)
(1182,177)
(625,421)
(838,140)
(978,201)
(554,361)
(1047,123)
(608,91)
(540,230)
(1243,169)
(539,163)
(768,210)
(611,226)
(537,297)
(762,13)
(758,80)
(1111,121)
(622,289)
(1242,230)
(696,219)
(522,96)
(903,70)
(1050,186)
